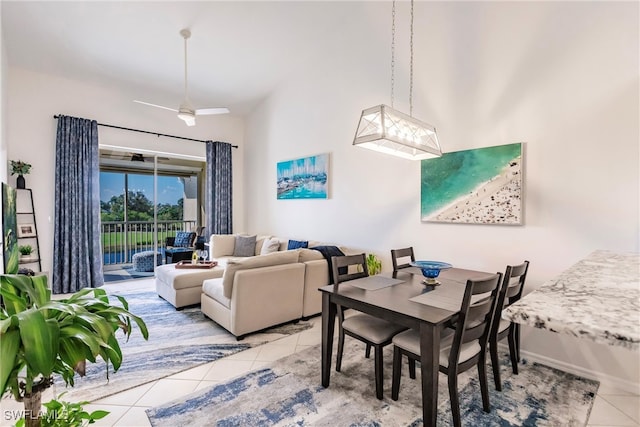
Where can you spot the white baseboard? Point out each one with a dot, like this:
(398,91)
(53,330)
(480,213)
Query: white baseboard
(605,379)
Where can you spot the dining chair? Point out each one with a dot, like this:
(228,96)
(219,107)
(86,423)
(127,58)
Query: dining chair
(460,348)
(373,331)
(510,292)
(397,254)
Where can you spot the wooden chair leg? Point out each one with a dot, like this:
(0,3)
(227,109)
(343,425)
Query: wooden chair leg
(379,371)
(367,352)
(453,397)
(517,328)
(340,348)
(495,364)
(397,372)
(513,351)
(412,369)
(484,387)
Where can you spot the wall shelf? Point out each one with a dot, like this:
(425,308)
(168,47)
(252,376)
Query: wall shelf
(27,228)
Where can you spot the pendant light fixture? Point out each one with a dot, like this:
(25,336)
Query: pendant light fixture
(384,129)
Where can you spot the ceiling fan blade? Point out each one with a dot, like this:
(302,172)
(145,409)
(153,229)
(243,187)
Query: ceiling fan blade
(207,111)
(156,105)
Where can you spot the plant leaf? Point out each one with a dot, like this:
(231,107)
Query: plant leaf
(9,345)
(84,336)
(99,414)
(37,340)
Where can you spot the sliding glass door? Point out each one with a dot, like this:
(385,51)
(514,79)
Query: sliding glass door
(144,200)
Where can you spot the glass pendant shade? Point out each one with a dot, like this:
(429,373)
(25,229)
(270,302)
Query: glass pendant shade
(389,131)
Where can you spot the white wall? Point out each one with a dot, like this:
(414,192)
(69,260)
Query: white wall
(561,77)
(3,127)
(34,99)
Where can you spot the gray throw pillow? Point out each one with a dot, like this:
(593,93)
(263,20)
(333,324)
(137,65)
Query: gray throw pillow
(245,246)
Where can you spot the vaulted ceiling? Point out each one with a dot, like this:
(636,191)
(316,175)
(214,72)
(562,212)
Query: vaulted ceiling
(238,53)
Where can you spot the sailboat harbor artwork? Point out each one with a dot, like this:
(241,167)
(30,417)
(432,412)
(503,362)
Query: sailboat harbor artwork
(304,178)
(478,186)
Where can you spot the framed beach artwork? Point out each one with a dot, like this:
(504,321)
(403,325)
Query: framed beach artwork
(304,178)
(479,186)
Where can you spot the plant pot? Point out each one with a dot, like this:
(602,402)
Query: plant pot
(20,182)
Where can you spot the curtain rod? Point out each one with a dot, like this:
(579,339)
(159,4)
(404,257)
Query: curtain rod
(57,116)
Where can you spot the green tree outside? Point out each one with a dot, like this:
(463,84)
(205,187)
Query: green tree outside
(139,208)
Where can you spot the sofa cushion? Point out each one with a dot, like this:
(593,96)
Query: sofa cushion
(296,244)
(222,245)
(186,278)
(269,246)
(213,288)
(233,265)
(309,255)
(245,246)
(184,239)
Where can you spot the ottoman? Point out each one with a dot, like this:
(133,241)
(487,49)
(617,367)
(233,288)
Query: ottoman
(182,287)
(143,261)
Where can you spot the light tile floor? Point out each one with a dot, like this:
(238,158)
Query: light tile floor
(611,408)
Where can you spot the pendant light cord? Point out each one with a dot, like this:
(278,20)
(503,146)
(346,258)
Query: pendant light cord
(393,47)
(393,56)
(411,66)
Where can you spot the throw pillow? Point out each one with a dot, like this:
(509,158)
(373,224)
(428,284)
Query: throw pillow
(245,246)
(259,242)
(222,245)
(184,239)
(296,244)
(270,246)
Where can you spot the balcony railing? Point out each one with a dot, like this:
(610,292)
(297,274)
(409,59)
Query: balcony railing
(122,239)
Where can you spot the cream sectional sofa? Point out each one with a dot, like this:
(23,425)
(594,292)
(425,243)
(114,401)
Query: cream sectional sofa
(263,290)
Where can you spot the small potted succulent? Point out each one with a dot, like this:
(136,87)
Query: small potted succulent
(20,168)
(25,250)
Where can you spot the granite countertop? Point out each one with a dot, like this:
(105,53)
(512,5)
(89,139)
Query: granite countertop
(598,298)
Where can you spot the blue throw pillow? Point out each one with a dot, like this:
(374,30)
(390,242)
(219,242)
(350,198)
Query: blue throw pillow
(297,244)
(184,239)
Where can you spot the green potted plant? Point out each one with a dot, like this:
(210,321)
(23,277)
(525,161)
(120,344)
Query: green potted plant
(59,413)
(40,336)
(20,168)
(25,250)
(374,265)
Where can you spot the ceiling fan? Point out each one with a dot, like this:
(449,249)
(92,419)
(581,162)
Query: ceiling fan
(186,111)
(128,156)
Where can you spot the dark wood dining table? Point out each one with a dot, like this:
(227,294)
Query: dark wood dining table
(437,306)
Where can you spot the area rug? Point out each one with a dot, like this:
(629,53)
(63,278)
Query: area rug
(178,340)
(125,273)
(288,393)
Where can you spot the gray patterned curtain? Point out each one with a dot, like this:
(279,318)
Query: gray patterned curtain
(77,254)
(218,203)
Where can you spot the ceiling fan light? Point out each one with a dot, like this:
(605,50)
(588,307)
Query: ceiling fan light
(187,115)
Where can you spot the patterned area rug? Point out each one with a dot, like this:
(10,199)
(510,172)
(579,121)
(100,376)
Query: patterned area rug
(288,393)
(178,340)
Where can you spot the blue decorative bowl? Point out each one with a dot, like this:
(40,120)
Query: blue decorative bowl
(431,270)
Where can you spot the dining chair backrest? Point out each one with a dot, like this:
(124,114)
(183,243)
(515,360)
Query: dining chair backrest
(348,267)
(513,284)
(510,292)
(397,254)
(476,313)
